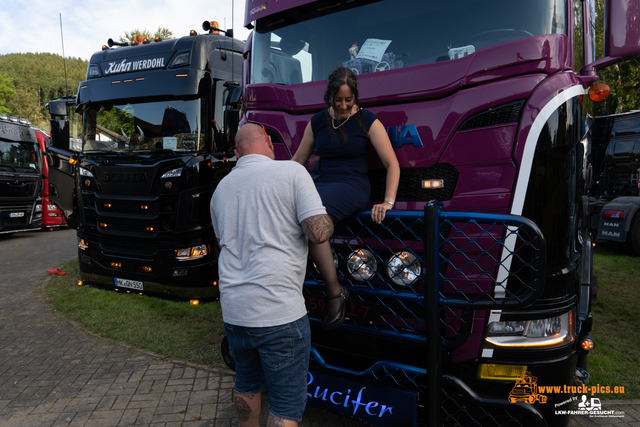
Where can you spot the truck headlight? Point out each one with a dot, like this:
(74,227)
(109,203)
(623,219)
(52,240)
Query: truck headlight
(552,331)
(82,244)
(362,265)
(85,172)
(193,252)
(172,173)
(404,268)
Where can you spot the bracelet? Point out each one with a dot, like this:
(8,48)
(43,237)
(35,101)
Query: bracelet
(391,203)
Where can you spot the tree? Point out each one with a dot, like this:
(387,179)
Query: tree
(7,92)
(37,78)
(163,33)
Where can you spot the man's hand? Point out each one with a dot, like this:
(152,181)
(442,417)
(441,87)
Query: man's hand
(318,228)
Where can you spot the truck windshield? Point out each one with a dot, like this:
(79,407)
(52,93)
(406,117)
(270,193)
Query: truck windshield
(18,156)
(306,44)
(150,126)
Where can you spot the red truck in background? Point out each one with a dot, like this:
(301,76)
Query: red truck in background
(51,216)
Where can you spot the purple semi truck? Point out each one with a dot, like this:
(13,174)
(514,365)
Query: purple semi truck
(482,273)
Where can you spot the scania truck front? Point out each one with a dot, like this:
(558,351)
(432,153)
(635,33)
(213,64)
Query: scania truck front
(156,123)
(482,271)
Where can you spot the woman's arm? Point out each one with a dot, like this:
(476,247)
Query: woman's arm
(307,145)
(382,144)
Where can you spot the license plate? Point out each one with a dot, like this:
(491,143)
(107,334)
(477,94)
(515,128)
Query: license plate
(360,311)
(16,214)
(126,283)
(375,404)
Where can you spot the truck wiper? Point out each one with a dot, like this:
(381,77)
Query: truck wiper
(9,166)
(103,152)
(28,169)
(153,151)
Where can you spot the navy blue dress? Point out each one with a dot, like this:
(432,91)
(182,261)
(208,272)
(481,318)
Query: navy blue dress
(341,173)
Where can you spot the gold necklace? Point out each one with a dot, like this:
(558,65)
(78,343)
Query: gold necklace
(333,119)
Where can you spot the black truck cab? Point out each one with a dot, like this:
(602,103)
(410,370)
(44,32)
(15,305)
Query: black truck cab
(136,156)
(20,176)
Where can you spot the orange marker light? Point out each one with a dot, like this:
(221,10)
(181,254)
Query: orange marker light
(599,92)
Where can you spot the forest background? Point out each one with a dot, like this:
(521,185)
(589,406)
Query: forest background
(29,80)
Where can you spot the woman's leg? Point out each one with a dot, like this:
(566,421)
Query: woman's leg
(322,256)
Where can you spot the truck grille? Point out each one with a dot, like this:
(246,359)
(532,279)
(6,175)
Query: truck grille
(125,217)
(410,186)
(127,207)
(25,188)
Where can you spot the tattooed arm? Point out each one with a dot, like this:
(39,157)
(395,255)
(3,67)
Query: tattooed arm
(318,228)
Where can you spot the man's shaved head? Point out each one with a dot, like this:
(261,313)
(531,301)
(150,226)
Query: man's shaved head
(253,139)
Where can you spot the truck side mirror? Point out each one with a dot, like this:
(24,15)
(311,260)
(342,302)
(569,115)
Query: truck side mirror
(232,109)
(59,123)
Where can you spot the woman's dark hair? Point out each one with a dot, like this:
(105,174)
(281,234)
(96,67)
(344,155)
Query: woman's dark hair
(339,77)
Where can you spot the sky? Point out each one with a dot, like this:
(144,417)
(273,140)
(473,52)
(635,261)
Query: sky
(34,25)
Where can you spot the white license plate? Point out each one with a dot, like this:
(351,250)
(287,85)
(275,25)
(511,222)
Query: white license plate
(16,214)
(126,283)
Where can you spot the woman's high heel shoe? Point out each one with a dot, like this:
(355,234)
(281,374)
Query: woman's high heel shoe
(332,321)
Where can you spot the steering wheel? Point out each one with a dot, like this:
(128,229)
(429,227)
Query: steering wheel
(382,66)
(504,31)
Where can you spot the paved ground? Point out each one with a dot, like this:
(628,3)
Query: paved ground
(52,373)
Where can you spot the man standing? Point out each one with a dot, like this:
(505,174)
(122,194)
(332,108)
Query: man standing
(263,212)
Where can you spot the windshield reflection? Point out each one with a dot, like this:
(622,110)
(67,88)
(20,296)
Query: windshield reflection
(152,126)
(369,36)
(18,156)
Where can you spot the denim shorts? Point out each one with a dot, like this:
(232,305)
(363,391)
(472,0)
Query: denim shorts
(277,356)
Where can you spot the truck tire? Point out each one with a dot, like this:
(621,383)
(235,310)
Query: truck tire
(633,238)
(227,356)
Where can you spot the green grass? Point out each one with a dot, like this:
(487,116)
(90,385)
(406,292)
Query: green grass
(615,361)
(193,333)
(173,329)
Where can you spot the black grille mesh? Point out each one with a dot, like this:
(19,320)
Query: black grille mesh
(410,186)
(495,116)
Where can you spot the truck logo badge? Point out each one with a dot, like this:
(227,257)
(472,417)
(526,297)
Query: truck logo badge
(404,135)
(612,224)
(125,66)
(526,390)
(610,233)
(125,177)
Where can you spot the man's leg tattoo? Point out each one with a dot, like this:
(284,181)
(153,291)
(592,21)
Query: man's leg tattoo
(275,421)
(243,409)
